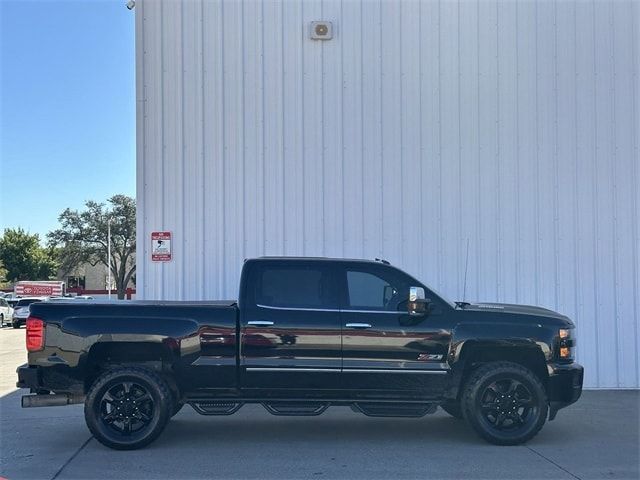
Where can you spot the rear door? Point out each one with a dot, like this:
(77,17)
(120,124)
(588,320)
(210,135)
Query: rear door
(290,326)
(386,350)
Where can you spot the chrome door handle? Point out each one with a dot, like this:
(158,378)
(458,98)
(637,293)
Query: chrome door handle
(260,323)
(358,325)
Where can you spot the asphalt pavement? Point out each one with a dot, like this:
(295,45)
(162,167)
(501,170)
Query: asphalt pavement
(597,438)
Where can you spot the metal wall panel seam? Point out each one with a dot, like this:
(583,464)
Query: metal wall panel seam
(595,185)
(614,155)
(635,36)
(140,138)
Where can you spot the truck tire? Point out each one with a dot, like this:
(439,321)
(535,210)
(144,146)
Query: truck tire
(505,403)
(1,320)
(15,325)
(454,409)
(128,408)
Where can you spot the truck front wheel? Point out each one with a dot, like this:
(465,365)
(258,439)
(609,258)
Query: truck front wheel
(505,403)
(128,408)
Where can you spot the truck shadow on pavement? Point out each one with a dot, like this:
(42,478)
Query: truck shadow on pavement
(254,424)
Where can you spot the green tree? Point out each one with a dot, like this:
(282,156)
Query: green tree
(82,238)
(24,258)
(3,276)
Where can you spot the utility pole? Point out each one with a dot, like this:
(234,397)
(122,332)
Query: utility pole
(109,253)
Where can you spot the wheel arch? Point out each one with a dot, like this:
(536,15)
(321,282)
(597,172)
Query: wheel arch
(155,356)
(475,353)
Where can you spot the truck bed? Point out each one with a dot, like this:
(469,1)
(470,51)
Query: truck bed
(199,339)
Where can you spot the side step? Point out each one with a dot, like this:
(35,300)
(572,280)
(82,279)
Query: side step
(211,407)
(296,409)
(373,409)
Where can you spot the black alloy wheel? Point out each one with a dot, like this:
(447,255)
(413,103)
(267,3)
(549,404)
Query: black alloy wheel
(505,403)
(128,408)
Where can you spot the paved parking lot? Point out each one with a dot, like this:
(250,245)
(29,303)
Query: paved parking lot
(596,438)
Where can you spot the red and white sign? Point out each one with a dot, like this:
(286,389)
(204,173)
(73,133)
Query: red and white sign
(39,289)
(161,246)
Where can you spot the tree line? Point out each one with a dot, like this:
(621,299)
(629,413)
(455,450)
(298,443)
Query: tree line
(81,239)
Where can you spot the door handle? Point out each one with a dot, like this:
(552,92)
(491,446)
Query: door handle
(358,325)
(260,323)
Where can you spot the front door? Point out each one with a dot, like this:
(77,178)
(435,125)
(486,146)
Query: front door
(290,327)
(386,350)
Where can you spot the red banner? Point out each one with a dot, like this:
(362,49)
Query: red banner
(39,289)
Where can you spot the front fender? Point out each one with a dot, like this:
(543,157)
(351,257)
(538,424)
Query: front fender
(480,342)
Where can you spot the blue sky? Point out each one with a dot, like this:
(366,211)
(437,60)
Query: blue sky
(67,111)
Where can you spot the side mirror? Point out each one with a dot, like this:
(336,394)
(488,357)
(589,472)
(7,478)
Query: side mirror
(418,304)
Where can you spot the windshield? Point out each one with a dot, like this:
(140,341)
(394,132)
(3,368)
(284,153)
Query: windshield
(26,302)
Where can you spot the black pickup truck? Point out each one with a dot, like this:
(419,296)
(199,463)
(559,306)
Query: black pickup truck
(305,334)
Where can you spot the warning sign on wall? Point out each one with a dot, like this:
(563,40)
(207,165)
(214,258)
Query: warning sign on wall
(161,246)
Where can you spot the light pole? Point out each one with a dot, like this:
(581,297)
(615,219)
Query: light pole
(109,253)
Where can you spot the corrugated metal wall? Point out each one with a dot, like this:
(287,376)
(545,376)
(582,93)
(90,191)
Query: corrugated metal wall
(421,128)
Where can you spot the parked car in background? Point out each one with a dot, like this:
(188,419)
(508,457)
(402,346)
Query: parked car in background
(6,312)
(70,299)
(21,310)
(12,301)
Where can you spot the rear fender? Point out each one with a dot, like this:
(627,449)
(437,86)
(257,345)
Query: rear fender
(70,342)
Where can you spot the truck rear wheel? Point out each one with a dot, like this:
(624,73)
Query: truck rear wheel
(128,408)
(505,403)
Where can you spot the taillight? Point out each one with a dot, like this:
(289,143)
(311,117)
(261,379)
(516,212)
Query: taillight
(35,334)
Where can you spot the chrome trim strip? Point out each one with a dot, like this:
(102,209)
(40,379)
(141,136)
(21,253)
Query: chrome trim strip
(335,310)
(358,325)
(260,323)
(346,370)
(213,361)
(291,369)
(375,311)
(399,370)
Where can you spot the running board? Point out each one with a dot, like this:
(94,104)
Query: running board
(295,408)
(209,407)
(373,409)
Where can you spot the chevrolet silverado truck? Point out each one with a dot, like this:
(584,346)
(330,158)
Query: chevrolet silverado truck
(305,334)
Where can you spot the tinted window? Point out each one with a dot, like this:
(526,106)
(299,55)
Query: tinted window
(367,290)
(294,287)
(380,290)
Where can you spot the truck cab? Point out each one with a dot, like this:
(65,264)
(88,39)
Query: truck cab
(347,325)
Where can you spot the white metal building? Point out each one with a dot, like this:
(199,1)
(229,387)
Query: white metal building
(420,128)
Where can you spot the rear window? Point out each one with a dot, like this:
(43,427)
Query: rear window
(301,287)
(26,302)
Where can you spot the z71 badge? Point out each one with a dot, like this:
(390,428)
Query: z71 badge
(426,357)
